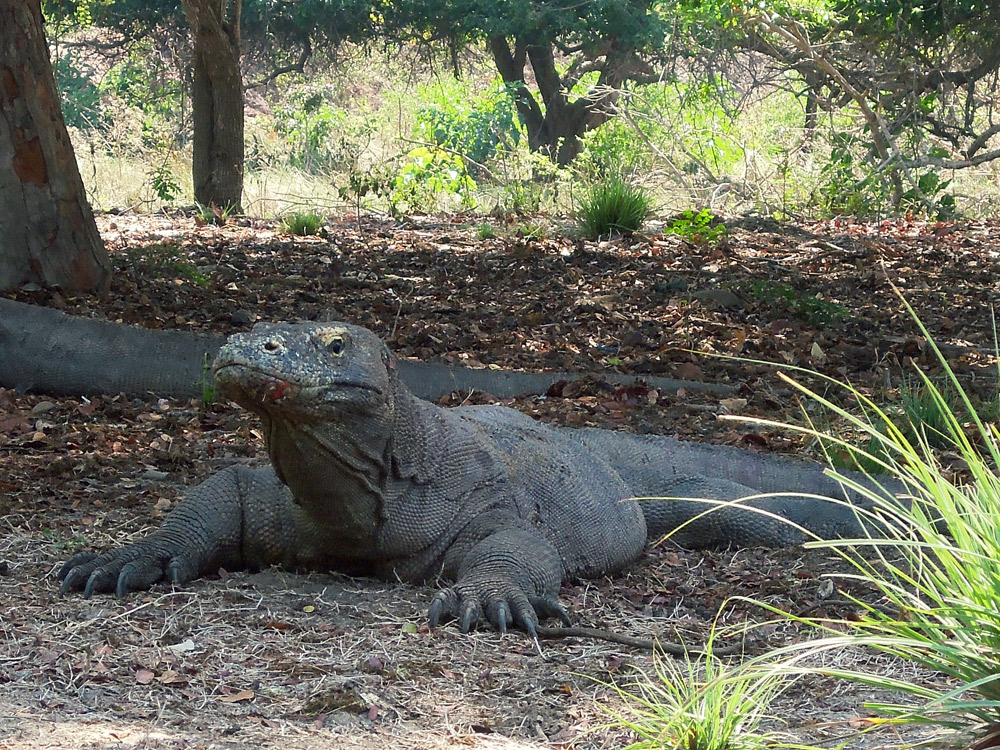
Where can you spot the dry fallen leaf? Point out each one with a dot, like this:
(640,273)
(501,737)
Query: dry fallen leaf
(243,695)
(170,677)
(817,354)
(733,405)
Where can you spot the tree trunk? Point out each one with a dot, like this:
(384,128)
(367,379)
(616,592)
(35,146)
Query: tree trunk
(558,130)
(47,227)
(217,103)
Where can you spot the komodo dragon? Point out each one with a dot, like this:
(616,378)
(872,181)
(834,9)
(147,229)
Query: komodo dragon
(365,478)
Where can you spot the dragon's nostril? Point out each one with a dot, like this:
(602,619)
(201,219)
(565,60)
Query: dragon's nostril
(271,346)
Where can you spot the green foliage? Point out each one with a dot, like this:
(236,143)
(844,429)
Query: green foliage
(613,207)
(520,197)
(700,228)
(141,81)
(938,569)
(813,310)
(938,204)
(302,223)
(639,25)
(431,179)
(533,183)
(133,18)
(920,415)
(477,128)
(854,187)
(485,232)
(321,136)
(531,230)
(845,191)
(893,110)
(424,179)
(376,182)
(213,214)
(164,184)
(266,25)
(80,98)
(926,411)
(695,119)
(209,392)
(163,260)
(612,150)
(700,705)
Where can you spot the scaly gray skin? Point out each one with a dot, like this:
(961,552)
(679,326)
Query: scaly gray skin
(367,479)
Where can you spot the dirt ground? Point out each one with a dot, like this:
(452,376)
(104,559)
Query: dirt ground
(279,659)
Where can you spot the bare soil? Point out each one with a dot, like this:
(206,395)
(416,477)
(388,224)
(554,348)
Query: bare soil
(279,659)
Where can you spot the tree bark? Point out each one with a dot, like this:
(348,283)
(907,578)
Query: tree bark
(47,227)
(217,102)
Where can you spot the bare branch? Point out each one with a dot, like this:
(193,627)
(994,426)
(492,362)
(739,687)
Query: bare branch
(956,163)
(299,66)
(981,141)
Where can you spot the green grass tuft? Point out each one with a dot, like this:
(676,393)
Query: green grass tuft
(213,214)
(613,207)
(702,704)
(302,223)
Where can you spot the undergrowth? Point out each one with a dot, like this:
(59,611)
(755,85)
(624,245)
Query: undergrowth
(932,555)
(693,144)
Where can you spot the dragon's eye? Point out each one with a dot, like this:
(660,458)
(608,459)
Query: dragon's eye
(333,339)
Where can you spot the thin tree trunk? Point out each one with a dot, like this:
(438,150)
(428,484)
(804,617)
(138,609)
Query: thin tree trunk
(47,227)
(217,103)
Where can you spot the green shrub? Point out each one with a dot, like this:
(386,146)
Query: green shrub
(783,297)
(935,202)
(431,179)
(163,260)
(164,184)
(80,97)
(302,223)
(938,569)
(477,129)
(920,415)
(212,214)
(613,149)
(142,82)
(319,135)
(613,207)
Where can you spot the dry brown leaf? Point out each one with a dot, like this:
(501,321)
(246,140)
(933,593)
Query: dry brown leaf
(243,695)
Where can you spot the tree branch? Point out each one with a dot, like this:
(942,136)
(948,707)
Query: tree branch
(299,66)
(885,145)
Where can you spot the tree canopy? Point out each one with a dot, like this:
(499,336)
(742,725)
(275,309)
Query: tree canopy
(910,86)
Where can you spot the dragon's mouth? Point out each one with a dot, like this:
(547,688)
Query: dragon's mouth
(274,389)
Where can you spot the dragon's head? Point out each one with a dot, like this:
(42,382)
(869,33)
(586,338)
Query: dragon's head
(312,371)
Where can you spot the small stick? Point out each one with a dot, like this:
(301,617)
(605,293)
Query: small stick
(650,644)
